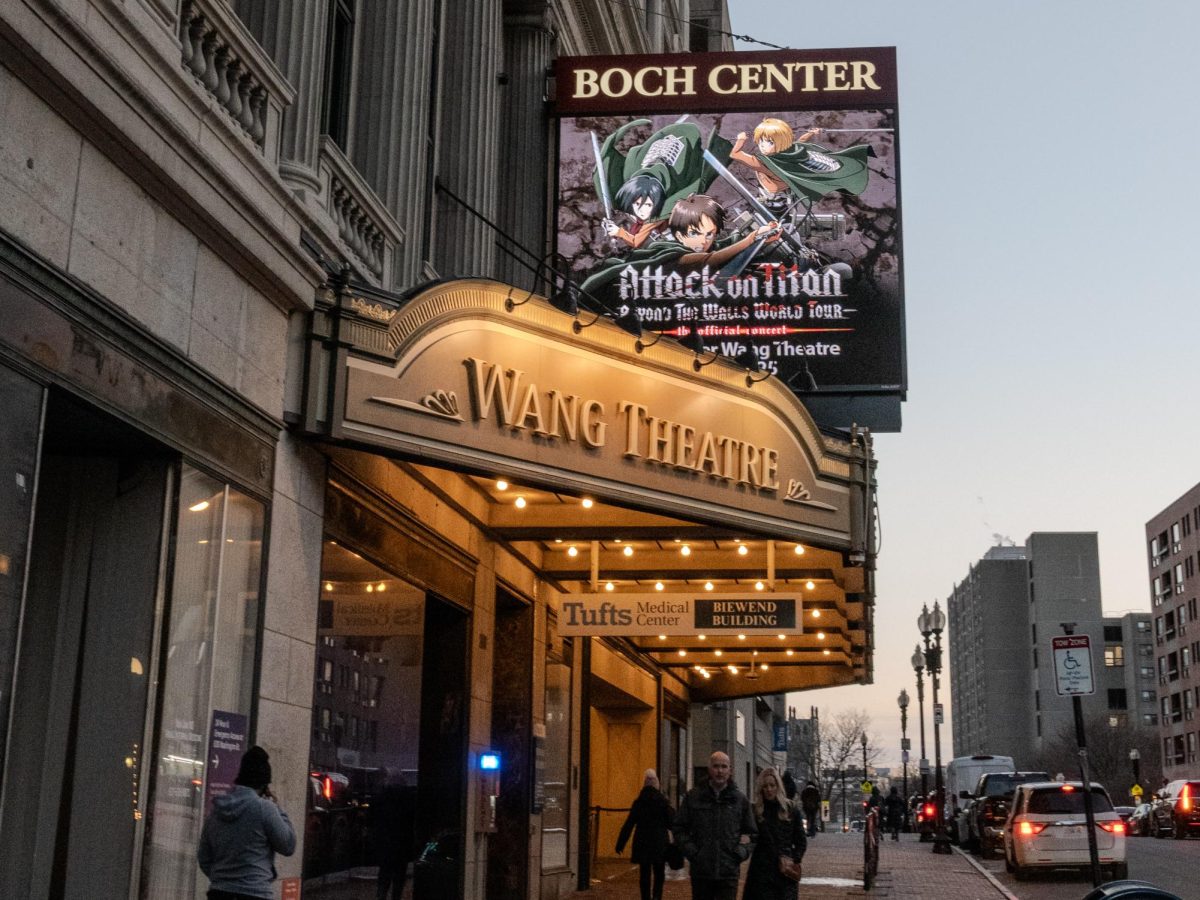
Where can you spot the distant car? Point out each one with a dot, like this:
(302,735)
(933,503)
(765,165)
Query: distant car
(926,816)
(1176,811)
(1139,822)
(1124,812)
(1047,829)
(988,811)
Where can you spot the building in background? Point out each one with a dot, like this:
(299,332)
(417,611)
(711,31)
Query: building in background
(804,746)
(1173,554)
(219,217)
(1002,617)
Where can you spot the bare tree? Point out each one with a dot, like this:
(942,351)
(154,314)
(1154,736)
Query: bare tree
(841,746)
(1108,754)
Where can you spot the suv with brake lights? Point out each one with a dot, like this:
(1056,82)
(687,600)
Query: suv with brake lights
(1047,829)
(989,811)
(1176,811)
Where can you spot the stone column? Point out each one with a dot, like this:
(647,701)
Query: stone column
(391,129)
(294,33)
(469,136)
(525,144)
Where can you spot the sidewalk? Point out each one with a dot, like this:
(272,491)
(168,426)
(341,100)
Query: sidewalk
(908,870)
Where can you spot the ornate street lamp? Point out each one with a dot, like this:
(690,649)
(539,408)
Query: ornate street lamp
(903,701)
(1135,757)
(932,623)
(918,664)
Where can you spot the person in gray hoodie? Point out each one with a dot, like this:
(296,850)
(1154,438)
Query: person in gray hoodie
(243,833)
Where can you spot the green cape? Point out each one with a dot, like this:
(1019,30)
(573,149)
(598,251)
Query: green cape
(800,168)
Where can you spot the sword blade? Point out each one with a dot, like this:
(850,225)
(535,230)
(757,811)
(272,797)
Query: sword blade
(602,177)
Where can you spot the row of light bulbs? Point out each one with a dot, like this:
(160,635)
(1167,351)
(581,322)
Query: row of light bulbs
(708,586)
(733,669)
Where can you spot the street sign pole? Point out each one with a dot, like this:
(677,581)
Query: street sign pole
(1076,686)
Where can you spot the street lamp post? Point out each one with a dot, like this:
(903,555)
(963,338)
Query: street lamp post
(845,821)
(903,701)
(932,623)
(1135,757)
(918,664)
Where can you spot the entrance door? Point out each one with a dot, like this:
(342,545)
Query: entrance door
(70,818)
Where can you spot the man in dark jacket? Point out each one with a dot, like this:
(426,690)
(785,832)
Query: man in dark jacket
(649,822)
(715,827)
(810,802)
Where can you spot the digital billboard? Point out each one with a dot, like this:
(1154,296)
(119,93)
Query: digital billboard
(744,203)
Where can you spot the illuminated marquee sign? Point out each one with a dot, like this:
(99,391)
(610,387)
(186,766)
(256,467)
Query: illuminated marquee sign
(646,615)
(744,202)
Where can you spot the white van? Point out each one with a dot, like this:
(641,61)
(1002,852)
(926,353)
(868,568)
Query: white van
(962,774)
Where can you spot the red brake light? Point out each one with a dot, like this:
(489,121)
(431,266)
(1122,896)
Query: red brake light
(1067,788)
(1029,829)
(1185,798)
(927,810)
(1117,827)
(327,787)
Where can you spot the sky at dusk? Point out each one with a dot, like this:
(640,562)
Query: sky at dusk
(1050,203)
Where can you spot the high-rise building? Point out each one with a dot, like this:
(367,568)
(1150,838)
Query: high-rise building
(1173,545)
(1003,688)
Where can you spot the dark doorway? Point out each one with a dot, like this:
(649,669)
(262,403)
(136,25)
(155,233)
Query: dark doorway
(512,709)
(441,788)
(71,820)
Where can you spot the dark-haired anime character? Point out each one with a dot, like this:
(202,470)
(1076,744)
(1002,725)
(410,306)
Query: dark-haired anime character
(693,226)
(649,179)
(787,165)
(641,197)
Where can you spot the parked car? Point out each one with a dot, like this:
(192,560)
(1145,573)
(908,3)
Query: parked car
(925,817)
(1124,812)
(1176,809)
(962,774)
(1047,829)
(988,810)
(1139,822)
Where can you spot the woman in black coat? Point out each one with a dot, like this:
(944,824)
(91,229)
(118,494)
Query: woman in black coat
(780,833)
(649,821)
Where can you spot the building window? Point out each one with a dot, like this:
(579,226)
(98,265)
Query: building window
(1147,696)
(339,49)
(1149,719)
(1114,656)
(1179,578)
(1143,625)
(1191,746)
(1176,537)
(1116,698)
(1113,634)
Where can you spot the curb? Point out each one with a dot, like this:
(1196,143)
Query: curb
(1009,895)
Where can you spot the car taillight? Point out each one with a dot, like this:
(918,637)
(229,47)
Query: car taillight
(327,788)
(1029,829)
(1113,827)
(927,810)
(1185,798)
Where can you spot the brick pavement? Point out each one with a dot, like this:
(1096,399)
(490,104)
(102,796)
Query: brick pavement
(908,870)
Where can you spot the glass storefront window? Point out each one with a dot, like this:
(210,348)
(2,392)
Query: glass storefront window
(207,671)
(556,811)
(364,752)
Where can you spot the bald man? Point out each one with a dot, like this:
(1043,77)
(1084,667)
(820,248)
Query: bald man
(715,828)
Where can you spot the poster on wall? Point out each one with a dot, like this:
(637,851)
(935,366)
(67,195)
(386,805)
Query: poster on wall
(744,203)
(226,744)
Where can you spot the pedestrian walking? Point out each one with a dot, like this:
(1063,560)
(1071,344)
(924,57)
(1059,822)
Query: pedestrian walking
(774,868)
(393,817)
(810,802)
(649,821)
(715,828)
(789,784)
(893,812)
(243,833)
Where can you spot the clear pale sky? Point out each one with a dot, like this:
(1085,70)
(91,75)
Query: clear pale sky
(1051,200)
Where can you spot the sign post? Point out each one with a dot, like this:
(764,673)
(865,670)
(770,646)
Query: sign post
(1073,671)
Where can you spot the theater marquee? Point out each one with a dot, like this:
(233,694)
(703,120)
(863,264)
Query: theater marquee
(459,378)
(647,615)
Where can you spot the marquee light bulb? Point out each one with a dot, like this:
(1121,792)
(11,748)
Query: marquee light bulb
(763,667)
(520,501)
(682,652)
(758,585)
(820,635)
(685,550)
(502,485)
(816,614)
(328,586)
(790,652)
(572,551)
(799,550)
(704,637)
(628,551)
(810,584)
(658,585)
(826,651)
(718,652)
(743,550)
(781,636)
(662,637)
(708,585)
(610,586)
(741,637)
